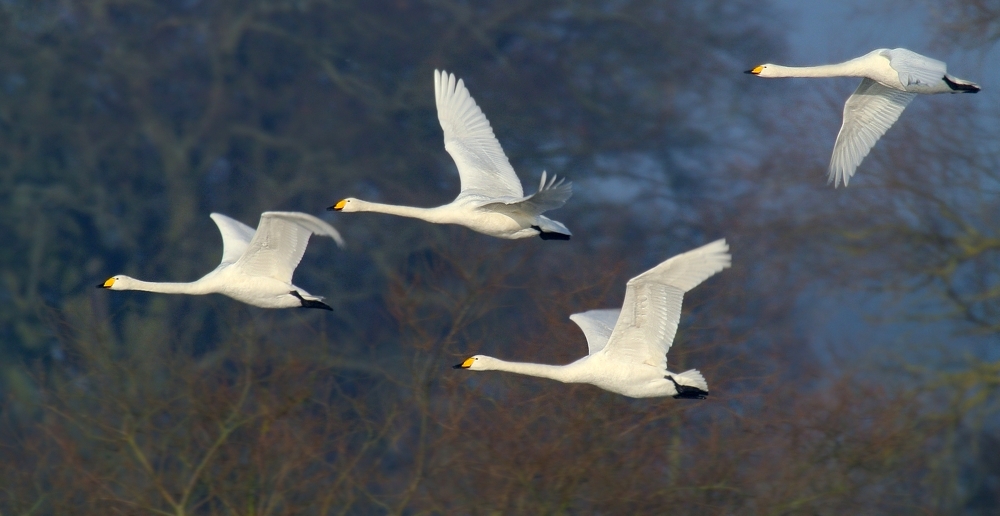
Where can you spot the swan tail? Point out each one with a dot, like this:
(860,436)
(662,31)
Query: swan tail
(961,85)
(690,384)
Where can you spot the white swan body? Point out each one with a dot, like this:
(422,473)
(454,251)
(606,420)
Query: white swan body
(628,346)
(257,265)
(491,200)
(891,78)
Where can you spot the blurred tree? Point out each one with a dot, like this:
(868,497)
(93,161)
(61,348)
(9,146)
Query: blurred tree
(255,428)
(971,23)
(123,124)
(126,123)
(915,246)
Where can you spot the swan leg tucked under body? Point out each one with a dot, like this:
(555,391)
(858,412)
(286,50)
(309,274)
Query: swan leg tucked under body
(257,265)
(891,78)
(491,200)
(628,346)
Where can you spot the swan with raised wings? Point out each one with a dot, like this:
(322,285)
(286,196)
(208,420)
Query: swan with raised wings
(257,265)
(628,346)
(491,200)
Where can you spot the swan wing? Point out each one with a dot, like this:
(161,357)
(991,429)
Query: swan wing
(868,114)
(551,194)
(279,243)
(652,308)
(235,237)
(482,166)
(915,69)
(597,326)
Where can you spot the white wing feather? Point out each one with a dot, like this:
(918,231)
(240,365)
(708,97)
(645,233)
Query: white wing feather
(868,113)
(597,326)
(279,243)
(551,194)
(482,166)
(648,321)
(235,237)
(915,69)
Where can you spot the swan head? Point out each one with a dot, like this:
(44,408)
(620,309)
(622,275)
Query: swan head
(475,363)
(347,205)
(119,282)
(764,70)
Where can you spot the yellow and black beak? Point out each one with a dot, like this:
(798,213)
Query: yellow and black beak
(464,365)
(107,284)
(756,70)
(339,206)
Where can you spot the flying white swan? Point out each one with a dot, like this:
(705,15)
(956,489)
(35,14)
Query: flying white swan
(891,78)
(628,346)
(257,265)
(491,200)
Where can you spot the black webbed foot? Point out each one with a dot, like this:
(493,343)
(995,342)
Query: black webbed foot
(549,236)
(687,392)
(311,303)
(957,86)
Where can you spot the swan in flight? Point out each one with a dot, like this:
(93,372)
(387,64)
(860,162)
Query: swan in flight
(890,80)
(628,346)
(491,200)
(257,265)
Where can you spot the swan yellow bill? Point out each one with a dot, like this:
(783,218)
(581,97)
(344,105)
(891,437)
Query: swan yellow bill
(467,364)
(107,284)
(340,205)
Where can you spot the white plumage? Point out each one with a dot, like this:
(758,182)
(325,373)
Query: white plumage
(628,346)
(891,79)
(491,200)
(257,265)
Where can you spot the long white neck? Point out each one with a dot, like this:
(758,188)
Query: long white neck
(564,373)
(194,288)
(852,68)
(427,214)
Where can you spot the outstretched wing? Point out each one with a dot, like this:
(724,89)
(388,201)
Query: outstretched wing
(648,321)
(551,194)
(597,326)
(468,137)
(915,69)
(279,243)
(869,112)
(235,237)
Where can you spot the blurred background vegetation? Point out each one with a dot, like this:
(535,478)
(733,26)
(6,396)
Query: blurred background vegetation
(851,350)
